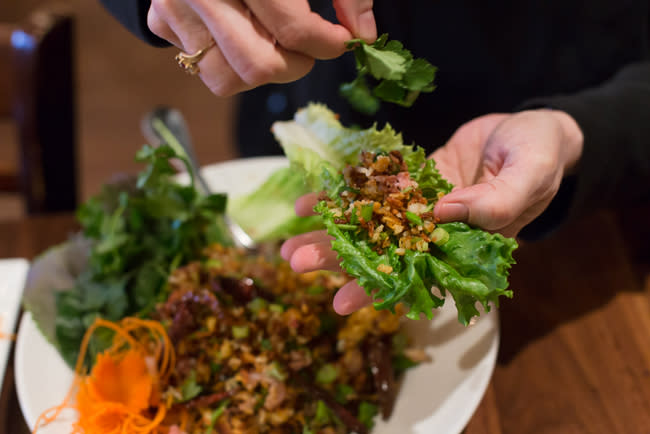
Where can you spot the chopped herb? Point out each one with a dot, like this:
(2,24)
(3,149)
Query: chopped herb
(399,77)
(401,364)
(327,374)
(414,218)
(240,332)
(343,393)
(257,304)
(216,414)
(190,389)
(367,413)
(266,345)
(276,371)
(439,236)
(322,416)
(366,212)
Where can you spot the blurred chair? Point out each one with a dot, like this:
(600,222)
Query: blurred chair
(37,94)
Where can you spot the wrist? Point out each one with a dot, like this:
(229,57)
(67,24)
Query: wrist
(573,140)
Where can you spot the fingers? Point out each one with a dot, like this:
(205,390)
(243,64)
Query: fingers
(298,29)
(351,297)
(315,256)
(176,22)
(505,203)
(304,205)
(246,54)
(292,244)
(248,47)
(357,16)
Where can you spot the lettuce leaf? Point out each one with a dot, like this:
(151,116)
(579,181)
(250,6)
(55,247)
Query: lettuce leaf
(472,265)
(267,214)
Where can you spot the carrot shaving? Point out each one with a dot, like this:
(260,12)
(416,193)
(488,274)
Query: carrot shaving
(121,394)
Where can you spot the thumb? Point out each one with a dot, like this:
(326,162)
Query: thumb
(358,17)
(491,205)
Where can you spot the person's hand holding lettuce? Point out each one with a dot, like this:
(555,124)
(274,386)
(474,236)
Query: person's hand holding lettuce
(468,263)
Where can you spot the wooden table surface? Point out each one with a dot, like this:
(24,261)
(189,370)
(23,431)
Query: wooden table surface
(575,340)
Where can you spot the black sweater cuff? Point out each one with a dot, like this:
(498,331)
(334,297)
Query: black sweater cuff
(133,15)
(615,165)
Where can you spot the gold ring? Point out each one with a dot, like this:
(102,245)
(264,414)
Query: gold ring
(189,62)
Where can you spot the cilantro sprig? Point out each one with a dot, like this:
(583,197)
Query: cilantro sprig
(386,71)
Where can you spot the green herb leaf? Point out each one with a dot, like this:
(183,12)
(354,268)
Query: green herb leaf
(190,389)
(343,393)
(400,78)
(367,413)
(138,232)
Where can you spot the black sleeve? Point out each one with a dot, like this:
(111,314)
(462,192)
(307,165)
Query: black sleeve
(614,169)
(133,15)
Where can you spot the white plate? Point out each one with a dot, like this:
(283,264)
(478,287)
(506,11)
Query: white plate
(12,281)
(438,397)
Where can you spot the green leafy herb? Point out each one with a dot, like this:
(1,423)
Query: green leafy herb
(190,388)
(343,393)
(267,214)
(401,363)
(266,345)
(397,77)
(468,263)
(322,416)
(367,413)
(139,231)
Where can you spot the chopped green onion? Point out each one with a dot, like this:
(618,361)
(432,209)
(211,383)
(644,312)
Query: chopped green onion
(216,414)
(213,263)
(327,374)
(315,290)
(414,218)
(347,227)
(343,393)
(276,371)
(322,416)
(354,218)
(400,342)
(257,304)
(266,344)
(366,212)
(240,332)
(439,236)
(276,308)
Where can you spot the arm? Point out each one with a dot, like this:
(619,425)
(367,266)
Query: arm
(132,14)
(615,165)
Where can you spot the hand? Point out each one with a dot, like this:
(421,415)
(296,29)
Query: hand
(258,41)
(506,169)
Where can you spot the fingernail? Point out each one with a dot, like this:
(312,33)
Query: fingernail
(367,26)
(453,212)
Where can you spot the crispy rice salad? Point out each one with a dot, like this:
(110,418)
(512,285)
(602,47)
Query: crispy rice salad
(260,350)
(242,345)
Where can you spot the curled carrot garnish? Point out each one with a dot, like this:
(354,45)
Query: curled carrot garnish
(121,394)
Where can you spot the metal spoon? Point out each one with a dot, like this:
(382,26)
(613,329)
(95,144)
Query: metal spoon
(172,122)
